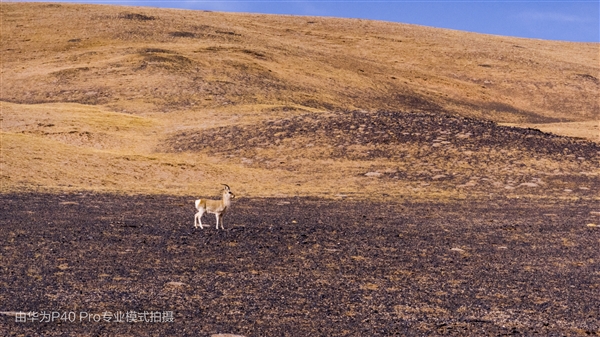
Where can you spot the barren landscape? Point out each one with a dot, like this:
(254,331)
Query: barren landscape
(301,267)
(391,179)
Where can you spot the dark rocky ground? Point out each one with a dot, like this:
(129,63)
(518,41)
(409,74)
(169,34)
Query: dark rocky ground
(301,267)
(386,133)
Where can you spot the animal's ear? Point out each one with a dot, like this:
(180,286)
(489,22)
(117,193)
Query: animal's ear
(226,187)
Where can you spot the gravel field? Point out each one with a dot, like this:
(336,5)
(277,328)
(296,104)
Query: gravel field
(298,267)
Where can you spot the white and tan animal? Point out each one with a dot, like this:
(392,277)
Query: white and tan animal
(216,207)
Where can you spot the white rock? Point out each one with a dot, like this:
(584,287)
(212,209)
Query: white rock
(529,185)
(471,183)
(175,284)
(374,174)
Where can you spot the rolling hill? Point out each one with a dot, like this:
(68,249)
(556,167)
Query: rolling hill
(144,100)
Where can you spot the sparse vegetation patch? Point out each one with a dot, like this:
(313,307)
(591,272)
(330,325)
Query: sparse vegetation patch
(182,34)
(136,16)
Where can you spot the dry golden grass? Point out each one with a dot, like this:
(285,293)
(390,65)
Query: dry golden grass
(146,60)
(91,93)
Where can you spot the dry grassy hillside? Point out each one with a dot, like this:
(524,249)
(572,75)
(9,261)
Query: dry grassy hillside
(153,100)
(143,59)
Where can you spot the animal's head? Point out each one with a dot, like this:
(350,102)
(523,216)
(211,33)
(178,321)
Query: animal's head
(227,192)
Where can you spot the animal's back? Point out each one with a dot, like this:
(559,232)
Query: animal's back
(211,206)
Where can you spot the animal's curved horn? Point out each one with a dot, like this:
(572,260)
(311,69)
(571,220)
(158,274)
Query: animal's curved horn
(229,189)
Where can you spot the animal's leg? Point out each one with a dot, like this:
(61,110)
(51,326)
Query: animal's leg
(221,217)
(198,217)
(217,215)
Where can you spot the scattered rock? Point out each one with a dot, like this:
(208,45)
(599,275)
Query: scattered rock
(471,183)
(529,185)
(175,284)
(381,233)
(592,225)
(382,134)
(539,181)
(225,335)
(373,174)
(439,176)
(594,213)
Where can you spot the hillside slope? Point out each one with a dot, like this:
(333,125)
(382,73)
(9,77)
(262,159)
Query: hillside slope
(169,60)
(168,101)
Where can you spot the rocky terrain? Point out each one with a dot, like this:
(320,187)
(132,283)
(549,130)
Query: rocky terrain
(299,267)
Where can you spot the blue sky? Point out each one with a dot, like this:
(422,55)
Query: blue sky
(575,20)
